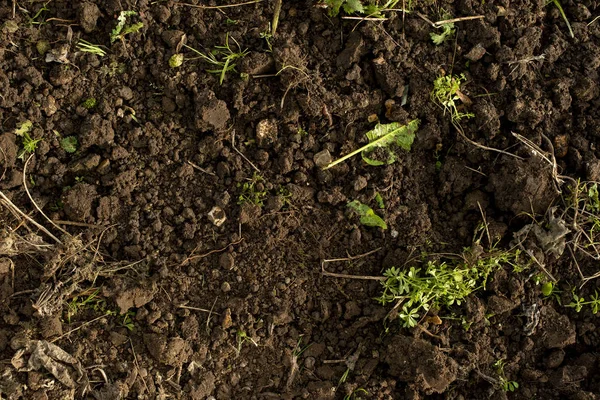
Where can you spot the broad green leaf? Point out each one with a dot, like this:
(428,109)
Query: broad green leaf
(382,136)
(69,144)
(367,215)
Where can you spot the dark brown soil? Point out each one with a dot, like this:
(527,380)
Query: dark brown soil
(184,307)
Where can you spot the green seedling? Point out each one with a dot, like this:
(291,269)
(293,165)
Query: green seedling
(222,57)
(563,15)
(379,201)
(97,304)
(382,137)
(24,128)
(367,215)
(299,349)
(268,36)
(582,216)
(121,30)
(29,144)
(285,195)
(176,60)
(446,93)
(579,302)
(593,205)
(358,7)
(437,155)
(447,31)
(547,289)
(355,393)
(87,47)
(69,144)
(440,283)
(505,384)
(345,376)
(127,321)
(79,303)
(40,14)
(241,338)
(251,193)
(89,103)
(349,7)
(57,206)
(114,68)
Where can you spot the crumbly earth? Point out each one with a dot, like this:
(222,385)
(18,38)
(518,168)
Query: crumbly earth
(149,296)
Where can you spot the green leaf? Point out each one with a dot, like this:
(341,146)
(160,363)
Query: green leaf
(547,288)
(379,201)
(69,144)
(367,215)
(122,19)
(353,6)
(132,29)
(24,128)
(176,60)
(334,6)
(439,38)
(382,136)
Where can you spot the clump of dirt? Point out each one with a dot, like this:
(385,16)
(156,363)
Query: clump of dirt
(420,363)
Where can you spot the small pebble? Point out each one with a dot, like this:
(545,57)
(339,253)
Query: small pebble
(322,158)
(309,362)
(217,216)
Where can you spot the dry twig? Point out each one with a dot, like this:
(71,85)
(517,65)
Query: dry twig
(347,276)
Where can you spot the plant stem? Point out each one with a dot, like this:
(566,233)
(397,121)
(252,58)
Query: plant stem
(562,13)
(347,156)
(276,16)
(355,152)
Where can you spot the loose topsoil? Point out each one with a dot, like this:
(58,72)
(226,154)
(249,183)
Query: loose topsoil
(140,293)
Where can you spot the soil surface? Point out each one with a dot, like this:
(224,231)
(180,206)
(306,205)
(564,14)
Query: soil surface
(146,277)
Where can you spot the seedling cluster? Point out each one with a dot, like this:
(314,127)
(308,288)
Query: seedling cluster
(222,57)
(98,304)
(358,7)
(251,193)
(446,93)
(440,284)
(29,144)
(505,384)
